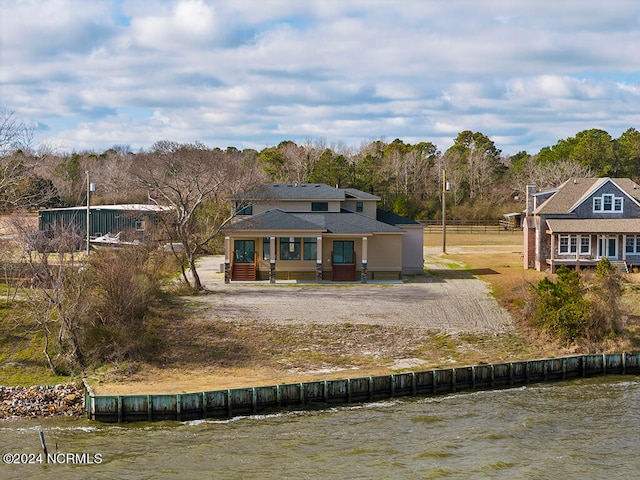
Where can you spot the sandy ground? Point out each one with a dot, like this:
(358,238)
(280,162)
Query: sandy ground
(451,301)
(446,299)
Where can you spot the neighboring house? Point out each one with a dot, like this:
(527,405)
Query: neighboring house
(318,232)
(582,221)
(127,223)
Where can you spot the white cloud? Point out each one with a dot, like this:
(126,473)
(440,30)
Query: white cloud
(262,72)
(189,22)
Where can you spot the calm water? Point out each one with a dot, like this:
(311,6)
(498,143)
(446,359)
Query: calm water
(585,429)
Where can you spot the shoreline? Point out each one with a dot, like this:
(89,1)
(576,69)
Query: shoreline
(42,401)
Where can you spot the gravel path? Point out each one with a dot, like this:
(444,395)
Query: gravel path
(452,301)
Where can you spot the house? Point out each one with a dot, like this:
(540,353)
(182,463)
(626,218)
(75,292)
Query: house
(582,221)
(318,232)
(127,223)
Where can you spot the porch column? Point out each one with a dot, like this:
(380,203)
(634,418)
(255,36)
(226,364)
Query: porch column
(578,248)
(227,259)
(318,259)
(364,260)
(553,251)
(624,248)
(272,259)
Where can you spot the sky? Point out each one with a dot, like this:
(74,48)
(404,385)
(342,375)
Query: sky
(91,74)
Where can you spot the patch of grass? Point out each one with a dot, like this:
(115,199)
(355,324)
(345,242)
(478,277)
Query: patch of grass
(22,361)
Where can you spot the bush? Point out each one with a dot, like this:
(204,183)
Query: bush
(572,311)
(124,284)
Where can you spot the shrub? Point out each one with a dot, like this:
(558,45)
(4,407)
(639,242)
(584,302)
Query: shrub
(571,310)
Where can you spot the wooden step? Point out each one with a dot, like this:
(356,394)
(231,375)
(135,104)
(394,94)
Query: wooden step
(243,272)
(620,265)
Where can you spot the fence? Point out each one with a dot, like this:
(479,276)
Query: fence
(463,227)
(244,401)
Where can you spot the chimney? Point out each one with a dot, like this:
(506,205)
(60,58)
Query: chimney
(531,190)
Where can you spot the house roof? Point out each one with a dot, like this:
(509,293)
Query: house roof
(347,222)
(355,193)
(329,222)
(596,225)
(575,191)
(394,219)
(301,191)
(274,219)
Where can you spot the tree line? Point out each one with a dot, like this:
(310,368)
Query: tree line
(484,183)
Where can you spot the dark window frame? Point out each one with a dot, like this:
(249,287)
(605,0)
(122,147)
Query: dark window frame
(310,248)
(347,259)
(286,250)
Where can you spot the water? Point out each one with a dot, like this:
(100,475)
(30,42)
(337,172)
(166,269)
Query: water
(584,429)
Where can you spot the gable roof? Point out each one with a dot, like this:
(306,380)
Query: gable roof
(301,191)
(576,191)
(619,183)
(329,222)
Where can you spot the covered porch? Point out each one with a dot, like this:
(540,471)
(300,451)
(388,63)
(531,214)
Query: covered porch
(583,243)
(294,257)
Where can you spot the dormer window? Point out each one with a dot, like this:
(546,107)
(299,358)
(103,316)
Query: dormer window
(607,203)
(319,206)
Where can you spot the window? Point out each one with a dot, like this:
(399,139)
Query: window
(243,251)
(617,205)
(597,204)
(633,244)
(569,244)
(319,206)
(243,209)
(606,203)
(290,248)
(585,244)
(310,248)
(359,207)
(343,251)
(266,248)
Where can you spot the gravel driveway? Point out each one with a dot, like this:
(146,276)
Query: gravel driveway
(452,301)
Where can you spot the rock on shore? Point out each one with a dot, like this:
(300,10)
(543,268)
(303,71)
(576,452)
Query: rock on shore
(41,401)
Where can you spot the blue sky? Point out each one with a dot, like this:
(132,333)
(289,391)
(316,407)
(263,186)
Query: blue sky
(252,73)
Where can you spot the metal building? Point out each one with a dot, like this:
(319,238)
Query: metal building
(130,222)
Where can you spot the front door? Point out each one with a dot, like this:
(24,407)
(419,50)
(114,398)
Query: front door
(244,251)
(608,246)
(344,261)
(243,268)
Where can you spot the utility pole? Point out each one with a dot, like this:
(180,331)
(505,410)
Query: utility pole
(91,187)
(445,187)
(88,211)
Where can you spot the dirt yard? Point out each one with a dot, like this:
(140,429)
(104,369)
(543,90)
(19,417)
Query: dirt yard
(260,334)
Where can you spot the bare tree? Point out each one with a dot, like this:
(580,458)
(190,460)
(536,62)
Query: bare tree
(546,174)
(16,159)
(194,180)
(14,133)
(58,301)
